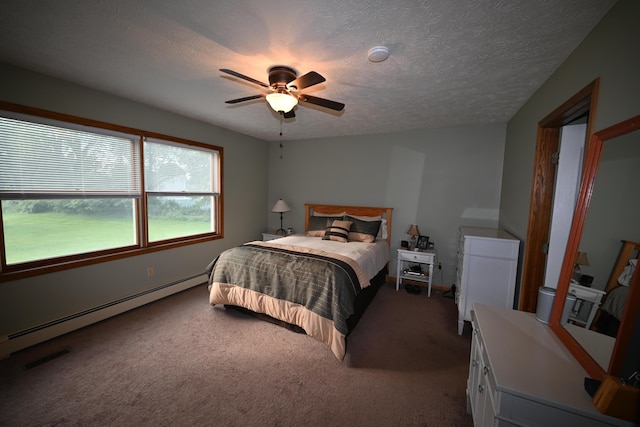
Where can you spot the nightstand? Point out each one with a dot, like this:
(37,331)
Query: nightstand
(582,294)
(422,263)
(270,236)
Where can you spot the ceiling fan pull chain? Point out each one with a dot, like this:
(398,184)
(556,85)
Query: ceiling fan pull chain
(281,118)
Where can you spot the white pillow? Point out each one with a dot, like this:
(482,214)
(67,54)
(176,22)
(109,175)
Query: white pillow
(625,277)
(329,214)
(383,230)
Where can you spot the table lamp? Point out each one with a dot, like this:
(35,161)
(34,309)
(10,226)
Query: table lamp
(413,231)
(280,207)
(581,259)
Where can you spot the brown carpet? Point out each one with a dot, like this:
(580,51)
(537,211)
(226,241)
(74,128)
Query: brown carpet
(180,361)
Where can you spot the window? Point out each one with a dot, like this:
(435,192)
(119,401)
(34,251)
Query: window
(180,185)
(73,193)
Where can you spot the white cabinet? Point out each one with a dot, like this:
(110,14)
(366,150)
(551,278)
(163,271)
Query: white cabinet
(486,271)
(520,374)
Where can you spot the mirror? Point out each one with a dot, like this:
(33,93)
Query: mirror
(606,214)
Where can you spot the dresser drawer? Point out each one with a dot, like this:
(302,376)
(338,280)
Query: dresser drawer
(495,248)
(489,378)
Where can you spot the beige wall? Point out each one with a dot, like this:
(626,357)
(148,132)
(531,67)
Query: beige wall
(609,52)
(33,301)
(438,179)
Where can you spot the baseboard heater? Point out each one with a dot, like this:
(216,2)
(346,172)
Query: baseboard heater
(23,339)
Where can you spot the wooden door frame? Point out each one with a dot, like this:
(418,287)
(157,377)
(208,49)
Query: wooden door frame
(543,187)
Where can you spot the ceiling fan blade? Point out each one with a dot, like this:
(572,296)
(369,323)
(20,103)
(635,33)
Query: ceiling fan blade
(309,79)
(291,114)
(243,77)
(333,105)
(246,98)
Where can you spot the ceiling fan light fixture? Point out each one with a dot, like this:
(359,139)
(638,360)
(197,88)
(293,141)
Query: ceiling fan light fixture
(282,102)
(283,80)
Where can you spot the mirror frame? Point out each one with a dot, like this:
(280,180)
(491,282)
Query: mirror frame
(594,153)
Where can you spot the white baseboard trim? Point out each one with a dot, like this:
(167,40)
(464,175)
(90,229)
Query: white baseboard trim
(23,339)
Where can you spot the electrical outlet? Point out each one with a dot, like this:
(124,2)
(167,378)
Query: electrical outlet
(150,271)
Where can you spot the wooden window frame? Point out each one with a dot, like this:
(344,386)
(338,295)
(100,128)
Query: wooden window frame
(39,267)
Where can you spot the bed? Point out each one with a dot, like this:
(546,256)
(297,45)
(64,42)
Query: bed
(318,282)
(610,312)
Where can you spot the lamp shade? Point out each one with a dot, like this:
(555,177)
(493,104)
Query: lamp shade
(282,102)
(280,206)
(582,259)
(413,230)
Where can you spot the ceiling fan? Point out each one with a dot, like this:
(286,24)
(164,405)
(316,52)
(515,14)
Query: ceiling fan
(284,90)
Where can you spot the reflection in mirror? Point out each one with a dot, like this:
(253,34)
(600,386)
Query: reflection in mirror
(612,218)
(599,266)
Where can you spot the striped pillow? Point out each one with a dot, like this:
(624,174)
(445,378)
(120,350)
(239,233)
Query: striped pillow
(363,231)
(318,225)
(338,231)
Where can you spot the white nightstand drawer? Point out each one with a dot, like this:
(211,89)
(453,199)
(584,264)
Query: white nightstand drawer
(423,257)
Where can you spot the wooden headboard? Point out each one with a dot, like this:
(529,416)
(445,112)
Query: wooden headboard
(385,213)
(628,251)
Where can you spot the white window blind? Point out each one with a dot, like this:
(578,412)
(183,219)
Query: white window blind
(171,168)
(40,160)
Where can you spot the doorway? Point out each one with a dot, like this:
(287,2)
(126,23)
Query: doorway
(568,174)
(581,104)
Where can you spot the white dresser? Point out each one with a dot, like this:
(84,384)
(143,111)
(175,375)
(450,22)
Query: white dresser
(486,271)
(520,374)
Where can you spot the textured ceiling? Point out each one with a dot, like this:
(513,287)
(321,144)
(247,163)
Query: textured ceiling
(452,62)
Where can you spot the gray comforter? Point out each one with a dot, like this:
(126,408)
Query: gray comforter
(321,284)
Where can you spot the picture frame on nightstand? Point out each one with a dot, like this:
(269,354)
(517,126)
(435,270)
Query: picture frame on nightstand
(423,242)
